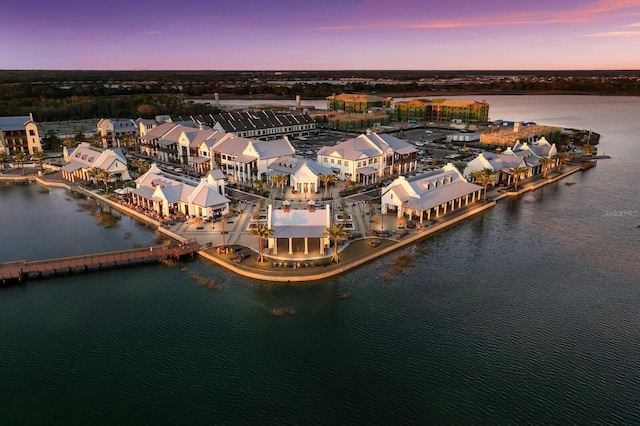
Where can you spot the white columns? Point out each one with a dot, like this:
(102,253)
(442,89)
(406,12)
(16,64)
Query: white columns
(306,245)
(290,245)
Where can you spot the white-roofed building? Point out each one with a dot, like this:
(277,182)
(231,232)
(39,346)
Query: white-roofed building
(165,195)
(298,230)
(247,160)
(303,173)
(162,141)
(86,157)
(369,157)
(430,196)
(500,163)
(533,152)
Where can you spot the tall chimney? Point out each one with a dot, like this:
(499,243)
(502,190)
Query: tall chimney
(298,101)
(217,98)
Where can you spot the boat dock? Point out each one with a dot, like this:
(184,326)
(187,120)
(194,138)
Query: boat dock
(20,270)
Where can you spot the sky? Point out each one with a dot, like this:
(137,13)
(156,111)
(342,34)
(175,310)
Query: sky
(321,35)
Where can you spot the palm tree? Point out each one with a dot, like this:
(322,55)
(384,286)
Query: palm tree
(485,177)
(517,174)
(337,233)
(94,174)
(280,180)
(547,164)
(588,149)
(141,165)
(326,178)
(262,231)
(561,157)
(3,157)
(69,143)
(105,176)
(40,156)
(20,157)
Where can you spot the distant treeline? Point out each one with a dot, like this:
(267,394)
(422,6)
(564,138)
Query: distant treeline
(63,95)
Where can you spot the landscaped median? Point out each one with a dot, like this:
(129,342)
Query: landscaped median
(357,253)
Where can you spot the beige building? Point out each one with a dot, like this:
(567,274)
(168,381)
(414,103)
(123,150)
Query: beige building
(19,134)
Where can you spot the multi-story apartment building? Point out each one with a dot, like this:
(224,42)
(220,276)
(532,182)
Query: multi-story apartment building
(348,102)
(117,132)
(369,157)
(19,134)
(246,160)
(442,110)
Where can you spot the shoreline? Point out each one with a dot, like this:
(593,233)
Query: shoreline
(260,273)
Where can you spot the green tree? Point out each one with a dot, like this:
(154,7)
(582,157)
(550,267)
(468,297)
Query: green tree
(518,172)
(485,177)
(560,158)
(262,231)
(20,158)
(336,232)
(94,174)
(3,158)
(588,149)
(105,176)
(280,180)
(547,164)
(326,179)
(141,165)
(40,157)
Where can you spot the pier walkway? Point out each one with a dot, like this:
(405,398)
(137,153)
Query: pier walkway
(23,269)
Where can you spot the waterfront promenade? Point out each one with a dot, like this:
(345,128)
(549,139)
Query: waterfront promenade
(298,267)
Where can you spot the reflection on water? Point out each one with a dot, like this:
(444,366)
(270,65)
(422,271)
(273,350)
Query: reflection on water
(526,313)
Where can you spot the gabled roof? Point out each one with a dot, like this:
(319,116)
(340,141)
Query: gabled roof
(207,196)
(216,174)
(119,125)
(299,223)
(14,122)
(432,190)
(87,156)
(367,146)
(273,148)
(242,121)
(231,146)
(169,131)
(291,165)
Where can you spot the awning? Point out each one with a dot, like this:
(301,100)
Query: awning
(366,171)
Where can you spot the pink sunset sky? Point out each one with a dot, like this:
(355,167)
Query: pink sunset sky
(322,35)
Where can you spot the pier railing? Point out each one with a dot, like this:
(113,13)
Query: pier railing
(20,269)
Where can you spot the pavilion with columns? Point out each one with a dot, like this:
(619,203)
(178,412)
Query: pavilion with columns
(431,196)
(298,231)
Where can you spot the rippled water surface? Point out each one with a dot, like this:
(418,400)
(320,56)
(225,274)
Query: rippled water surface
(525,314)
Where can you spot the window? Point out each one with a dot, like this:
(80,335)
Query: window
(346,163)
(333,161)
(339,162)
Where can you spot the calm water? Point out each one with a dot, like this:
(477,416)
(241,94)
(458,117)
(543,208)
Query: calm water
(526,314)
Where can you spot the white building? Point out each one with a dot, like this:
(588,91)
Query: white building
(499,163)
(369,157)
(298,231)
(247,160)
(303,173)
(162,193)
(431,196)
(85,157)
(117,132)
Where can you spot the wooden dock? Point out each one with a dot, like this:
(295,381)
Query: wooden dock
(21,270)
